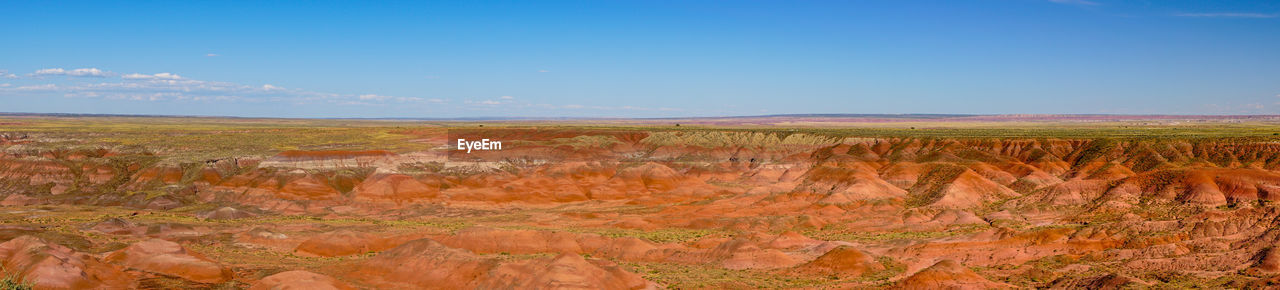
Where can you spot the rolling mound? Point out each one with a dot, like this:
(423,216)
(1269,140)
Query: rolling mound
(651,207)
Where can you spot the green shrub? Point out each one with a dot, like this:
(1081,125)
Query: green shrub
(12,281)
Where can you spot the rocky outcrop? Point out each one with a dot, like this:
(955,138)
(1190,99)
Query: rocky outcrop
(171,259)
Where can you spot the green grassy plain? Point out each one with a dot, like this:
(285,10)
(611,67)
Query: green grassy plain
(184,139)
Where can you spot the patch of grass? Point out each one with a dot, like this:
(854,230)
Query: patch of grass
(12,281)
(891,268)
(1052,263)
(421,167)
(729,184)
(714,139)
(199,139)
(1179,280)
(508,257)
(929,188)
(847,235)
(266,261)
(587,141)
(1096,149)
(707,276)
(662,236)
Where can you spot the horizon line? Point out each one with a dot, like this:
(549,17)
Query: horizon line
(903,116)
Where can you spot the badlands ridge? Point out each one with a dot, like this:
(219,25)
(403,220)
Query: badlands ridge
(644,208)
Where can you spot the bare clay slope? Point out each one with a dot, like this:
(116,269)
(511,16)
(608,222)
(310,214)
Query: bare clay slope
(684,209)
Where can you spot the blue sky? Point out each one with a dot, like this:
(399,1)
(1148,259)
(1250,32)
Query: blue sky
(639,58)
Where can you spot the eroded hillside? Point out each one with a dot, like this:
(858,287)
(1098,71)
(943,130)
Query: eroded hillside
(391,206)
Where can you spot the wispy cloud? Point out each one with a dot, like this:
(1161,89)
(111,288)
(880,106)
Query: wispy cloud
(503,100)
(368,97)
(7,75)
(50,71)
(36,87)
(159,76)
(381,98)
(1075,2)
(173,87)
(212,55)
(80,72)
(512,104)
(88,72)
(543,71)
(1228,15)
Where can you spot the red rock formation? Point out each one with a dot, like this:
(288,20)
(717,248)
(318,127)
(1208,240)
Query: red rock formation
(844,261)
(51,266)
(299,280)
(565,271)
(395,188)
(168,258)
(345,242)
(948,274)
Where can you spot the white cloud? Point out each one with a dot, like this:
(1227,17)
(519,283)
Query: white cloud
(373,97)
(1228,15)
(211,55)
(37,87)
(159,76)
(503,100)
(172,87)
(80,72)
(50,71)
(87,72)
(1075,2)
(368,97)
(543,71)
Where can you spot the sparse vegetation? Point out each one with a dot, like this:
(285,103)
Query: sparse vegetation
(683,276)
(839,234)
(110,172)
(713,139)
(11,281)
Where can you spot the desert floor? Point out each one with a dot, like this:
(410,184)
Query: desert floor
(919,202)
